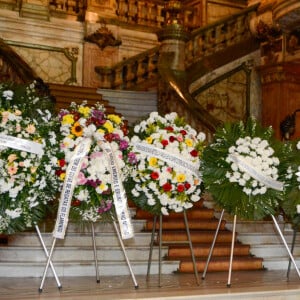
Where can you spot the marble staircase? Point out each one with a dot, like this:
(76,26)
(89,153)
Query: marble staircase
(133,105)
(74,255)
(257,246)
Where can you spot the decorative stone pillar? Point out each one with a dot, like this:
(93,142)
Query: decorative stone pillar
(173,36)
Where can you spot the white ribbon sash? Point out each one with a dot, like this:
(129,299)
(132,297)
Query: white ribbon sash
(21,144)
(254,173)
(171,159)
(73,169)
(119,194)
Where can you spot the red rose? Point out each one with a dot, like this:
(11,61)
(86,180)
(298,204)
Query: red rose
(61,162)
(194,153)
(164,143)
(183,132)
(167,187)
(180,188)
(75,202)
(59,172)
(187,185)
(172,138)
(109,137)
(169,128)
(154,175)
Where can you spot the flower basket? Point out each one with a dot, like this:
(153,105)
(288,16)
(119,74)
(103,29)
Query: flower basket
(28,156)
(168,152)
(245,169)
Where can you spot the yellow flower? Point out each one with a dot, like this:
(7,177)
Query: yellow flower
(67,119)
(103,186)
(84,110)
(77,129)
(115,118)
(12,157)
(189,142)
(180,177)
(108,126)
(152,161)
(149,140)
(100,130)
(62,176)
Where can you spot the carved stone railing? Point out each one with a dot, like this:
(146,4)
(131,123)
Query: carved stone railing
(217,36)
(149,13)
(152,13)
(130,73)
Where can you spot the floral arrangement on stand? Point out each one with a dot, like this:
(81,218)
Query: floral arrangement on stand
(291,203)
(28,156)
(92,198)
(168,156)
(247,170)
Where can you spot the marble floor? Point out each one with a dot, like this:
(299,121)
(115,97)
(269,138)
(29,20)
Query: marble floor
(244,285)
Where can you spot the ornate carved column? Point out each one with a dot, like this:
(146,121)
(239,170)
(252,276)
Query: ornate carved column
(173,36)
(280,58)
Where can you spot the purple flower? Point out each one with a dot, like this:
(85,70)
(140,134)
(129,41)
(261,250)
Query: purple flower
(105,206)
(93,183)
(132,158)
(123,145)
(98,114)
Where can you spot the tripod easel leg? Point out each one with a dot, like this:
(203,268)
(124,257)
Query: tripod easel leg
(125,255)
(151,246)
(231,252)
(212,245)
(47,255)
(285,244)
(191,247)
(292,250)
(95,252)
(159,250)
(47,265)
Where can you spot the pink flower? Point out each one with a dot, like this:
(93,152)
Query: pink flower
(81,180)
(30,128)
(12,170)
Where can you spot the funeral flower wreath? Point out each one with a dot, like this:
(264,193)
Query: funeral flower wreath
(28,156)
(93,194)
(291,203)
(246,169)
(168,152)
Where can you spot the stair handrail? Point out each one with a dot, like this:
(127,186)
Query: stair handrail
(134,70)
(214,37)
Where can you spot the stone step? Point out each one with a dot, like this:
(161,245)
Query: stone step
(73,269)
(78,254)
(280,263)
(203,236)
(193,224)
(222,264)
(77,239)
(274,250)
(202,250)
(65,94)
(268,238)
(252,226)
(133,105)
(198,213)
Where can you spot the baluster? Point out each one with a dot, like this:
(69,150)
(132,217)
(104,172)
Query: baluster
(132,11)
